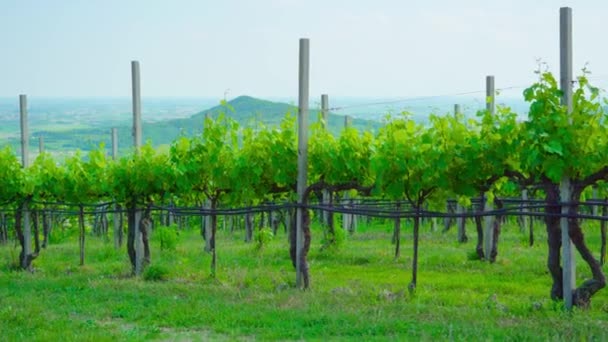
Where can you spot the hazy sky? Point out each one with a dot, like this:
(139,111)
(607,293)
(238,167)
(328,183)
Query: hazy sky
(358,48)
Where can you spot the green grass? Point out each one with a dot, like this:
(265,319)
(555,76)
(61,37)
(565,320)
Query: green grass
(358,292)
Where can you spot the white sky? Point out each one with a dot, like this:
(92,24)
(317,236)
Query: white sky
(370,48)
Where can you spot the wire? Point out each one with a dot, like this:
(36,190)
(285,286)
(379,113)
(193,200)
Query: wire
(373,208)
(419,98)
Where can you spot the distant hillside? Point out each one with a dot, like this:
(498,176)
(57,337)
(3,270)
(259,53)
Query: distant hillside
(246,110)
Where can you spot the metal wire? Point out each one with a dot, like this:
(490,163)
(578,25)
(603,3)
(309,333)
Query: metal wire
(378,208)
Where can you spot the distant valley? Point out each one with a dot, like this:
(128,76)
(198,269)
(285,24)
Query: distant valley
(69,131)
(70,124)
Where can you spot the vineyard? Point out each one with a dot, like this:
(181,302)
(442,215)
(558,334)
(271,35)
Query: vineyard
(450,182)
(407,170)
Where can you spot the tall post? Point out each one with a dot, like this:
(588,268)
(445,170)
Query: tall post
(27,233)
(40,144)
(44,213)
(302,154)
(114,143)
(135,83)
(325,116)
(525,210)
(488,205)
(490,92)
(565,52)
(206,220)
(208,230)
(460,221)
(25,143)
(353,217)
(461,224)
(348,121)
(347,219)
(325,110)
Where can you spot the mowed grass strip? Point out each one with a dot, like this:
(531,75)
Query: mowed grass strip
(359,291)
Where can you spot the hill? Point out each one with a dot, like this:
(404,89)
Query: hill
(247,111)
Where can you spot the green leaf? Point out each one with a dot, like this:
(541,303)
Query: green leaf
(553,146)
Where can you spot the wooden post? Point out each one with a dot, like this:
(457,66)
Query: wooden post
(568,264)
(302,154)
(40,144)
(27,229)
(489,205)
(460,223)
(135,79)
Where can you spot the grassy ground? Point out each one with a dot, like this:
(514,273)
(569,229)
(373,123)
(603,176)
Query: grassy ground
(358,292)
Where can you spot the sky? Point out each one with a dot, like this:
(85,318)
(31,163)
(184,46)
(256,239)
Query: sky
(204,48)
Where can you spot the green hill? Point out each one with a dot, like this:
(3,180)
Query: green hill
(246,110)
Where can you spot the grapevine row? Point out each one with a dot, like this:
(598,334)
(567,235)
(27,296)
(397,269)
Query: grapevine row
(493,155)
